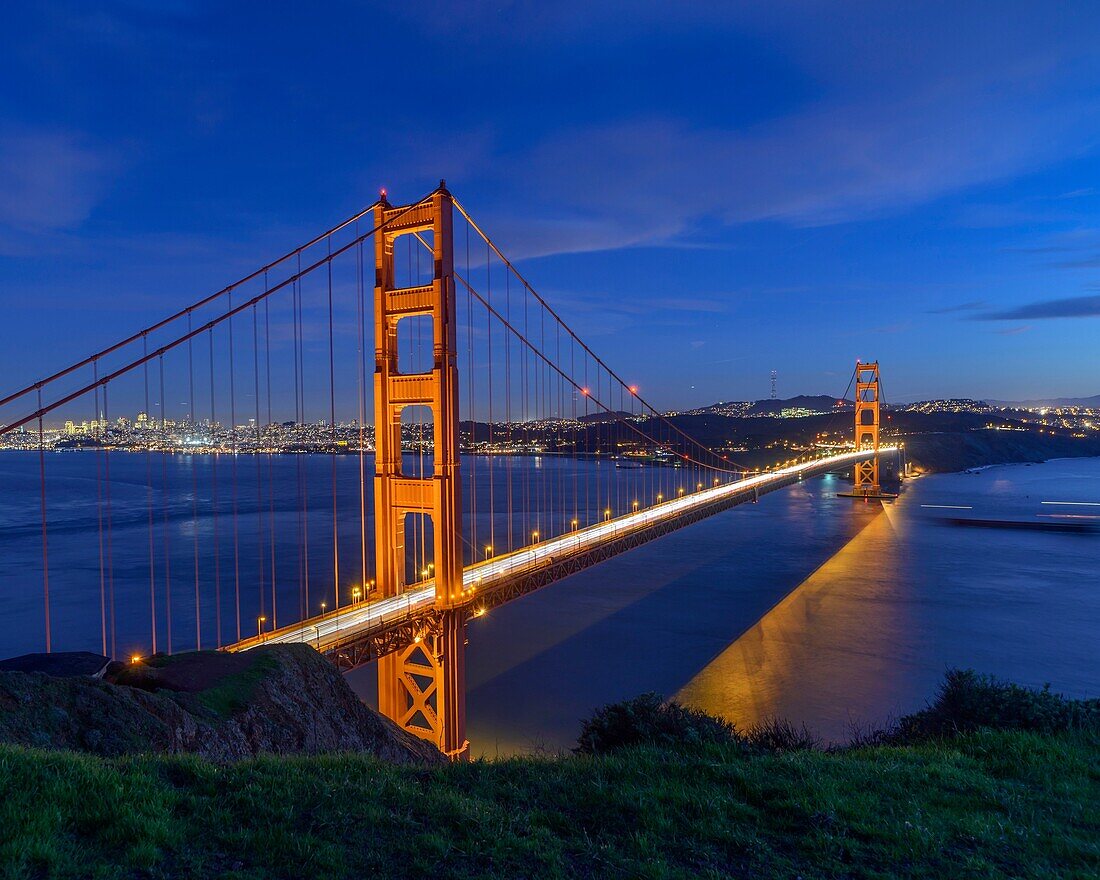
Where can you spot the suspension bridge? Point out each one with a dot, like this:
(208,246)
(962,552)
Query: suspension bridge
(485,451)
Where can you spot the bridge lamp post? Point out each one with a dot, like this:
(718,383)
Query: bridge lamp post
(681,492)
(607,514)
(660,497)
(488,550)
(324,605)
(574,524)
(356,595)
(535,537)
(260,626)
(635,506)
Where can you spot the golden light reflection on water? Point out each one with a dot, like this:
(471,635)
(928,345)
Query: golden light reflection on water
(824,651)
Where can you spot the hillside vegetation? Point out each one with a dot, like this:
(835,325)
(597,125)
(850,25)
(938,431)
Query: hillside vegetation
(1020,801)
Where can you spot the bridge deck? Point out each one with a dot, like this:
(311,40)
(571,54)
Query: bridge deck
(356,634)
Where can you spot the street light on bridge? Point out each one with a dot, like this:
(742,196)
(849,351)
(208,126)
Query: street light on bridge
(260,626)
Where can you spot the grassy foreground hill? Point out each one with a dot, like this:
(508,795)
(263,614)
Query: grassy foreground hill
(989,781)
(987,804)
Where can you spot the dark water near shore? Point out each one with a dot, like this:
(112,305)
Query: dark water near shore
(805,605)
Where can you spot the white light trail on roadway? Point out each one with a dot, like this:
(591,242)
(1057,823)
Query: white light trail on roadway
(346,621)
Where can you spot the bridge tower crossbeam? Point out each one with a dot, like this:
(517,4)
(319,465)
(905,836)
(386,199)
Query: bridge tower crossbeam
(421,687)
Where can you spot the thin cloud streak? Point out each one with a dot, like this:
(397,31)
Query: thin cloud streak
(1067,307)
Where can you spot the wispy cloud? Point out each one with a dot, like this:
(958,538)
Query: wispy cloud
(971,306)
(50,180)
(1085,263)
(1067,307)
(879,138)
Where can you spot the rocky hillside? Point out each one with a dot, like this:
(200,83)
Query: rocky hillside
(279,699)
(945,452)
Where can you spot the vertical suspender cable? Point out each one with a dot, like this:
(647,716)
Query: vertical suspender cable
(270,465)
(165,495)
(332,429)
(110,550)
(233,469)
(149,501)
(260,549)
(99,516)
(360,307)
(45,539)
(214,453)
(489,390)
(194,486)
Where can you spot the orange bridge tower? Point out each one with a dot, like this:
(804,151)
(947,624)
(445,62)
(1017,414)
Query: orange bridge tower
(422,687)
(866,481)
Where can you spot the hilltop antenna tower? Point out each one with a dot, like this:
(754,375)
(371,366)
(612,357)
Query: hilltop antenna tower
(773,384)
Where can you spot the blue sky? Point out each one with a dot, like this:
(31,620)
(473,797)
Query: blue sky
(707,192)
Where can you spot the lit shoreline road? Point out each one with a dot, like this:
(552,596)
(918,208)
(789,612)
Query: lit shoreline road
(358,620)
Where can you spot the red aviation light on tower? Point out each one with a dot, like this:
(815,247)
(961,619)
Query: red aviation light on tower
(633,389)
(584,391)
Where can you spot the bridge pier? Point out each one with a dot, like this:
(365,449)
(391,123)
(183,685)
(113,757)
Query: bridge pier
(423,687)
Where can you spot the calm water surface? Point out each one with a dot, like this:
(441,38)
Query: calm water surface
(805,605)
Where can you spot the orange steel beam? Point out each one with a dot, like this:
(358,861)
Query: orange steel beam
(866,473)
(422,686)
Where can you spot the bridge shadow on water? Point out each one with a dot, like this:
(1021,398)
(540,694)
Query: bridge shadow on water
(654,619)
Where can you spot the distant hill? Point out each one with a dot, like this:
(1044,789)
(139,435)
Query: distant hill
(1088,402)
(814,402)
(818,403)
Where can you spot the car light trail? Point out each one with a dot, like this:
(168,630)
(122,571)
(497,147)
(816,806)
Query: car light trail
(353,620)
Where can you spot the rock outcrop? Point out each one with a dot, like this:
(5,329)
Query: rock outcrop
(279,699)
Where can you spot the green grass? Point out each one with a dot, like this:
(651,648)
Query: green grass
(236,691)
(231,693)
(983,805)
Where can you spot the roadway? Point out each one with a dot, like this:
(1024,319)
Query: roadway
(352,622)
